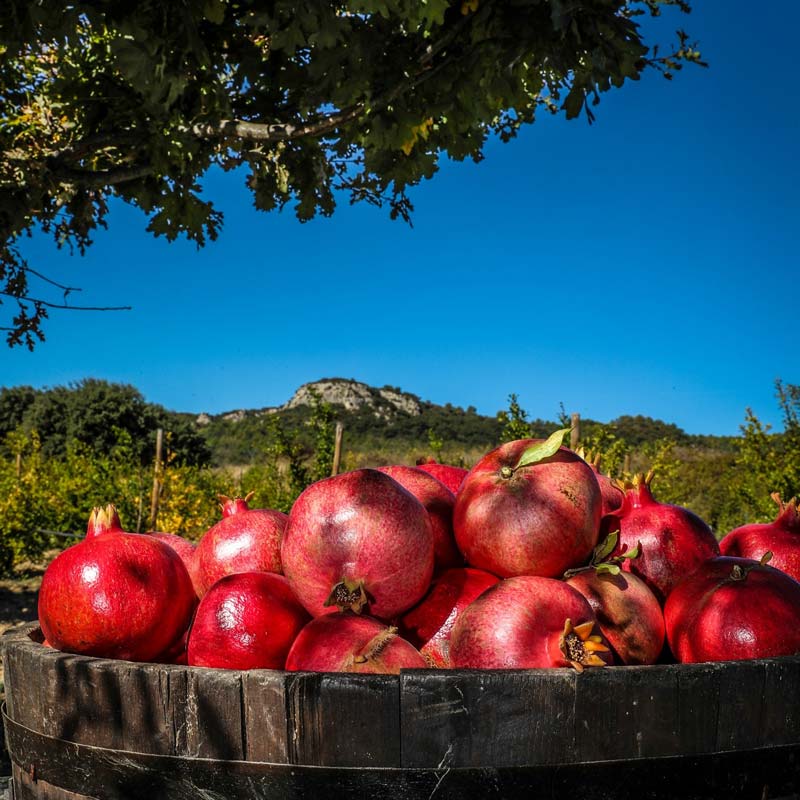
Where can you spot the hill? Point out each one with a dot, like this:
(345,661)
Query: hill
(381,424)
(387,420)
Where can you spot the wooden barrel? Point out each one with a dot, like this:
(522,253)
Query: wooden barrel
(80,727)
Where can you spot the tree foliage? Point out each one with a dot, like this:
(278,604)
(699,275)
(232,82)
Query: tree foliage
(92,413)
(107,99)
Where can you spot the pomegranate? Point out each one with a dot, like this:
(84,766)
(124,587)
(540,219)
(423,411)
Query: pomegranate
(528,508)
(358,540)
(628,613)
(672,540)
(438,501)
(122,596)
(734,608)
(428,625)
(244,540)
(781,537)
(350,643)
(527,621)
(247,620)
(449,475)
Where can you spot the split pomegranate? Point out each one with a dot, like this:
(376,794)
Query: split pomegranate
(733,608)
(672,540)
(247,620)
(524,622)
(358,540)
(528,508)
(781,537)
(449,475)
(244,540)
(125,595)
(438,501)
(350,643)
(428,625)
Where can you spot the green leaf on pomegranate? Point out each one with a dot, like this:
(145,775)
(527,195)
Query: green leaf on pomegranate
(608,567)
(632,553)
(606,547)
(542,450)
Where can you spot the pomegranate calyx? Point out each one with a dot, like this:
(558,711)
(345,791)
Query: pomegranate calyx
(348,595)
(103,519)
(639,480)
(374,646)
(592,458)
(234,505)
(580,647)
(789,514)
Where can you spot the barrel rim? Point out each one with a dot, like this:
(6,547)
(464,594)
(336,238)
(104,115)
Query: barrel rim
(30,635)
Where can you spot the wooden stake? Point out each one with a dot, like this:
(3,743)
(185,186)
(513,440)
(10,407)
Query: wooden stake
(19,465)
(156,480)
(575,432)
(337,448)
(626,464)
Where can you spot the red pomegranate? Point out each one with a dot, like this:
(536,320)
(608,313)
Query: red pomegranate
(448,474)
(529,507)
(247,620)
(428,625)
(350,643)
(628,614)
(781,537)
(103,520)
(244,540)
(122,596)
(525,622)
(672,540)
(733,608)
(361,541)
(438,501)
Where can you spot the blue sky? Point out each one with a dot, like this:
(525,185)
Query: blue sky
(646,264)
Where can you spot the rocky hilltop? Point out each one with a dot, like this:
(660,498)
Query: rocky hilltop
(350,394)
(354,396)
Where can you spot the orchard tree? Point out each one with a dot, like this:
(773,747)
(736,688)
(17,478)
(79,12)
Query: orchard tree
(136,101)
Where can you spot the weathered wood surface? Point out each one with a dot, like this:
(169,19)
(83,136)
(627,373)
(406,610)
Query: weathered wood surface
(108,729)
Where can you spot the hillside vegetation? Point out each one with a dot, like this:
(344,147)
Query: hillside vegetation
(66,449)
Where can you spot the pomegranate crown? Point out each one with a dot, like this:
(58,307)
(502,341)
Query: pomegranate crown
(233,505)
(639,480)
(103,519)
(592,458)
(789,511)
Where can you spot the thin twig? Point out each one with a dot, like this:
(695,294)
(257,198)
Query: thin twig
(70,308)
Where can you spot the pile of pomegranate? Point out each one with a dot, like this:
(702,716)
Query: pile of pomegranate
(533,558)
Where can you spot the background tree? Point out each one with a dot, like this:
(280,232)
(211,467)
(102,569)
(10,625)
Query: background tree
(106,99)
(92,413)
